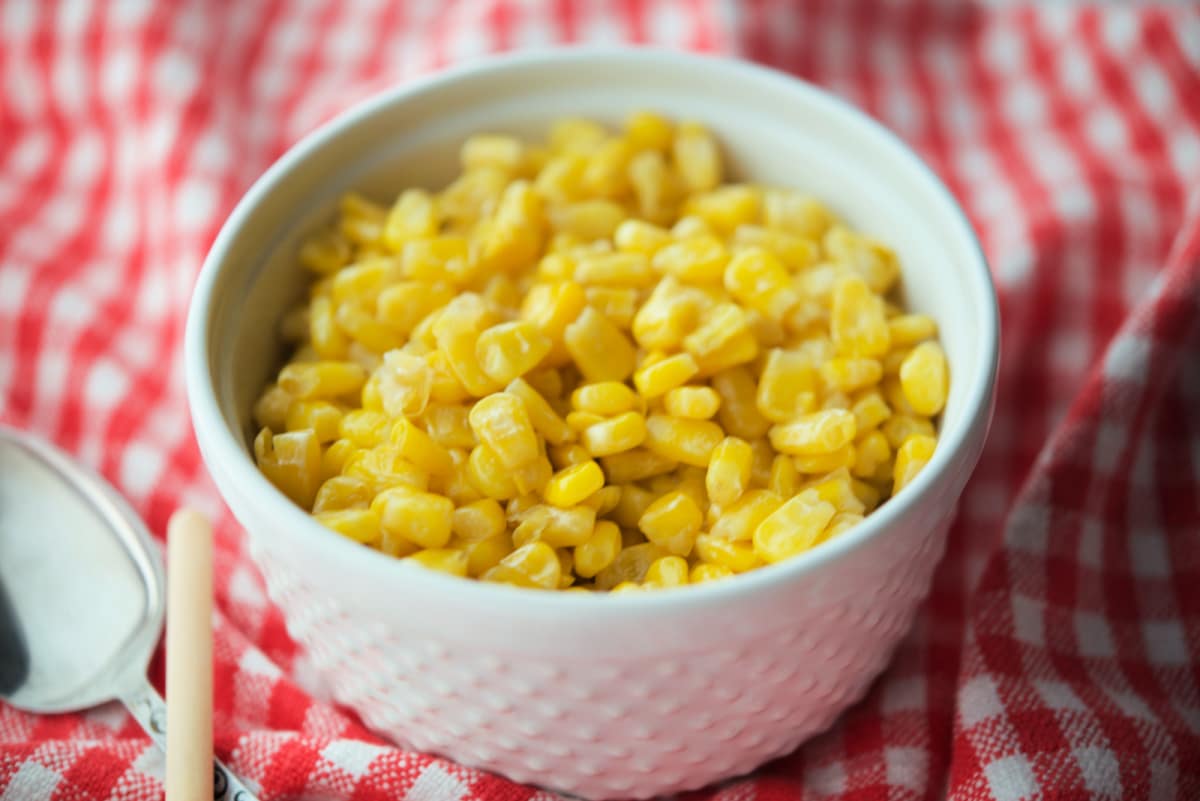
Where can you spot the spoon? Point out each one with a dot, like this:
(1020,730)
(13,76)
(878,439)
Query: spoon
(81,594)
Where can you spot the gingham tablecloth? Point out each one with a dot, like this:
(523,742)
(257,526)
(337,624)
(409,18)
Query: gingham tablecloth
(1058,656)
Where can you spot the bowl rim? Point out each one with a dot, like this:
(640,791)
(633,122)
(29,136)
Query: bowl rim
(220,446)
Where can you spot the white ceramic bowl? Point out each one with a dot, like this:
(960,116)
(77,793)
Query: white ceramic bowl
(600,696)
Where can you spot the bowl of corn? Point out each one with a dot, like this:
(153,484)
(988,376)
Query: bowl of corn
(596,417)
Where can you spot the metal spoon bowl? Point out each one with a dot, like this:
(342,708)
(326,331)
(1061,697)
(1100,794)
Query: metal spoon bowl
(81,593)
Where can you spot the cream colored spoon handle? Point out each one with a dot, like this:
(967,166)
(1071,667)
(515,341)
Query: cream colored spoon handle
(189,658)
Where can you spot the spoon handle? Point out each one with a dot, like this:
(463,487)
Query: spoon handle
(150,711)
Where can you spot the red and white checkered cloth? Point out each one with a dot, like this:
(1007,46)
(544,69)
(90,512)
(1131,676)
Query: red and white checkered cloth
(1058,656)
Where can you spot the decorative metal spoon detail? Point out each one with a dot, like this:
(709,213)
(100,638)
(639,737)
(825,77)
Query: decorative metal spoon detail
(81,594)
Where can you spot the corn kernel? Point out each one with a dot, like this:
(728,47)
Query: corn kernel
(615,269)
(483,555)
(579,421)
(456,333)
(726,207)
(792,251)
(837,489)
(449,426)
(479,520)
(601,350)
(360,525)
(858,324)
(571,486)
(636,236)
(899,427)
(635,464)
(324,333)
(326,253)
(814,434)
(662,376)
(871,260)
(321,379)
(655,186)
(501,422)
(672,522)
(696,157)
(739,413)
(841,523)
(741,519)
(560,528)
(844,456)
(736,556)
(488,474)
(292,462)
(848,375)
(911,457)
(787,387)
(699,260)
(492,150)
(757,279)
(911,329)
(271,408)
(728,473)
(923,378)
(871,451)
(704,571)
(603,500)
(645,129)
(667,571)
(792,528)
(605,398)
(696,403)
(784,479)
(587,219)
(563,456)
(599,550)
(335,456)
(401,306)
(869,411)
(615,435)
(405,383)
(342,492)
(418,517)
(629,565)
(542,416)
(536,563)
(324,419)
(533,476)
(509,350)
(682,440)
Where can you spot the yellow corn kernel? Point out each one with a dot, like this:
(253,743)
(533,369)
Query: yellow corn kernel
(618,304)
(791,211)
(360,525)
(615,269)
(630,565)
(699,260)
(321,379)
(323,418)
(554,267)
(414,215)
(360,282)
(793,252)
(419,448)
(848,375)
(545,420)
(869,494)
(383,467)
(326,252)
(837,489)
(814,434)
(635,465)
(361,220)
(448,426)
(757,279)
(509,350)
(533,565)
(479,520)
(365,429)
(363,328)
(571,486)
(492,150)
(787,387)
(841,523)
(445,388)
(605,172)
(696,403)
(911,329)
(548,383)
(292,462)
(728,473)
(784,479)
(637,236)
(739,521)
(576,135)
(721,326)
(532,477)
(871,451)
(513,238)
(704,571)
(482,555)
(666,374)
(563,456)
(401,306)
(682,440)
(739,414)
(444,560)
(672,522)
(894,360)
(911,457)
(599,551)
(421,518)
(578,421)
(736,556)
(600,350)
(603,500)
(342,492)
(726,207)
(518,508)
(764,457)
(560,528)
(614,435)
(655,186)
(488,474)
(501,422)
(335,456)
(844,456)
(899,427)
(645,129)
(697,157)
(667,571)
(456,332)
(632,505)
(587,219)
(405,383)
(271,408)
(604,398)
(923,377)
(869,411)
(792,528)
(874,262)
(324,333)
(858,324)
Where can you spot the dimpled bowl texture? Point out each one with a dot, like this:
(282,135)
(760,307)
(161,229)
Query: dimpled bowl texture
(599,696)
